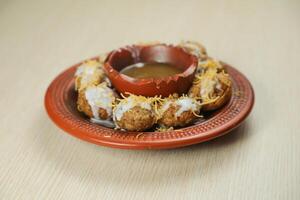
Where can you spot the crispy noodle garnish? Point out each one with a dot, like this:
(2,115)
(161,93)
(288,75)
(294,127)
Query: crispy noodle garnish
(136,98)
(164,129)
(211,73)
(157,101)
(211,63)
(210,101)
(154,102)
(225,79)
(138,135)
(92,63)
(197,115)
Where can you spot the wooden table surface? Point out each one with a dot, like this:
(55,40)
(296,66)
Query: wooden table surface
(259,160)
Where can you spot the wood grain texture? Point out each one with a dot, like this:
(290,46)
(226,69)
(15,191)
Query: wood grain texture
(260,160)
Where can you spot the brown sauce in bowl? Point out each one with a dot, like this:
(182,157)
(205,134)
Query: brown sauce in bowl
(150,70)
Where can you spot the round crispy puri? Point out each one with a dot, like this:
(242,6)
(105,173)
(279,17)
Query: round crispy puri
(137,119)
(169,119)
(224,98)
(96,79)
(224,94)
(83,106)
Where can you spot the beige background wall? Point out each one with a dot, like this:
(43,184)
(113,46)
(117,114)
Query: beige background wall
(260,160)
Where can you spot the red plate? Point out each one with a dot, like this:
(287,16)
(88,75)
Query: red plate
(60,103)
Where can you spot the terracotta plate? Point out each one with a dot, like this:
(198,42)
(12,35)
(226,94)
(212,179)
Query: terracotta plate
(60,103)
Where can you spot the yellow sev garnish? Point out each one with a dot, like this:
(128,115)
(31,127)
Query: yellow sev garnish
(196,102)
(157,101)
(164,129)
(210,63)
(211,73)
(136,98)
(208,81)
(89,73)
(197,115)
(154,102)
(138,135)
(224,78)
(92,63)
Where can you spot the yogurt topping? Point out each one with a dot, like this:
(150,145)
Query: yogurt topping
(128,104)
(89,72)
(184,103)
(100,97)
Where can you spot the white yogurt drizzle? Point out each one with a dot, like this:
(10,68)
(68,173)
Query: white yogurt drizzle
(85,70)
(165,106)
(100,97)
(125,106)
(88,72)
(209,63)
(184,103)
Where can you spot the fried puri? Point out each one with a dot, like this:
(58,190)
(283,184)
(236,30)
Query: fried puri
(134,113)
(195,49)
(212,88)
(137,119)
(210,63)
(89,73)
(178,112)
(96,101)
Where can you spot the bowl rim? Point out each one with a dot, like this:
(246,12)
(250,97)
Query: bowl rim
(135,49)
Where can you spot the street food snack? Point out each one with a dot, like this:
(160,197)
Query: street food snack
(96,101)
(88,73)
(194,48)
(134,113)
(178,112)
(209,88)
(212,86)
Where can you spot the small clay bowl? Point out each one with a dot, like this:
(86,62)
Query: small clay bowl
(158,53)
